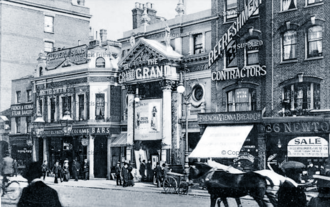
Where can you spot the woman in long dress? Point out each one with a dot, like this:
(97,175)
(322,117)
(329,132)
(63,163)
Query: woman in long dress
(66,172)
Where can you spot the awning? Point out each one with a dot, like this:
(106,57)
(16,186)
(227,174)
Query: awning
(221,142)
(120,140)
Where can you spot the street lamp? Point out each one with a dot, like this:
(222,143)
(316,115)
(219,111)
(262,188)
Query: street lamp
(66,122)
(181,89)
(137,97)
(38,124)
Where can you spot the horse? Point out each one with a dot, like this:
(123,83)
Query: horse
(221,184)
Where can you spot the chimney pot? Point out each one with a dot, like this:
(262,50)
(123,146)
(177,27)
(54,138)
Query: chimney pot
(147,5)
(150,5)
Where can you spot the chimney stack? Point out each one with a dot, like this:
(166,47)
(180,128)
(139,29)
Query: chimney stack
(137,13)
(103,35)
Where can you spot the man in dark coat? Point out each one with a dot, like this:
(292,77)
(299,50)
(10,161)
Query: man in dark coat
(57,171)
(44,169)
(37,193)
(125,174)
(75,169)
(149,171)
(130,174)
(118,173)
(142,170)
(159,174)
(86,169)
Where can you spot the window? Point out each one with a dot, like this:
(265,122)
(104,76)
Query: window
(198,93)
(301,96)
(231,59)
(231,9)
(66,104)
(18,124)
(123,53)
(198,43)
(28,124)
(41,71)
(18,97)
(48,46)
(81,107)
(289,4)
(289,42)
(52,110)
(314,42)
(99,109)
(242,99)
(252,52)
(29,95)
(100,62)
(309,2)
(49,24)
(40,106)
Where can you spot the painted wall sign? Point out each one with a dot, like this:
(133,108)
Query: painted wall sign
(22,110)
(242,18)
(55,91)
(254,44)
(246,72)
(80,131)
(148,120)
(294,127)
(76,55)
(230,117)
(308,147)
(201,67)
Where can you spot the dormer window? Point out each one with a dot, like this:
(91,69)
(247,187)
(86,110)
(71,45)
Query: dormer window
(100,62)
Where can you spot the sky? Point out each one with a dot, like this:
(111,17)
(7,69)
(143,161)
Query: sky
(116,15)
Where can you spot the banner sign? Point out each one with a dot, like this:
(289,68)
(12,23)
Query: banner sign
(308,147)
(148,120)
(76,55)
(22,110)
(80,131)
(230,117)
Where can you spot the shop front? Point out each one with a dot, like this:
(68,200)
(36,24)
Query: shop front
(21,151)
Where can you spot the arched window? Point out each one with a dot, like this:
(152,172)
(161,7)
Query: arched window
(41,71)
(314,42)
(289,43)
(241,99)
(100,62)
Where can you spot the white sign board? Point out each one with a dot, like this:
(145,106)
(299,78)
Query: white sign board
(308,147)
(148,120)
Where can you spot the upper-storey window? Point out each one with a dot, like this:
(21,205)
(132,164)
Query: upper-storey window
(198,43)
(289,4)
(18,124)
(81,107)
(18,96)
(309,2)
(100,106)
(52,109)
(29,95)
(231,9)
(252,52)
(241,99)
(48,46)
(28,124)
(66,105)
(314,42)
(49,24)
(289,44)
(231,58)
(100,62)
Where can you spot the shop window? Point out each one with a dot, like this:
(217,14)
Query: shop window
(18,97)
(289,4)
(231,9)
(289,45)
(310,2)
(18,124)
(66,104)
(198,93)
(314,42)
(81,107)
(198,43)
(48,46)
(252,52)
(242,99)
(49,24)
(100,62)
(28,124)
(29,95)
(52,110)
(300,97)
(231,58)
(99,109)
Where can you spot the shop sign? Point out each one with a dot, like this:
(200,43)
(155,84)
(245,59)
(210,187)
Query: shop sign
(246,72)
(56,91)
(230,117)
(255,44)
(22,110)
(201,67)
(245,156)
(148,120)
(294,127)
(308,147)
(227,37)
(80,131)
(76,55)
(24,151)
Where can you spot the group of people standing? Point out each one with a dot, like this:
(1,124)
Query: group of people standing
(124,174)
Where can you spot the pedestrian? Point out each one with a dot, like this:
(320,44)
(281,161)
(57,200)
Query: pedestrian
(118,173)
(44,169)
(66,171)
(142,170)
(57,172)
(7,169)
(75,169)
(158,174)
(125,174)
(15,166)
(86,169)
(37,193)
(165,170)
(149,171)
(130,174)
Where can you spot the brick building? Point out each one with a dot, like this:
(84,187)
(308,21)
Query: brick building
(29,27)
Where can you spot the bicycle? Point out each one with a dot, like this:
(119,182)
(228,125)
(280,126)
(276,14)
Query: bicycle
(12,189)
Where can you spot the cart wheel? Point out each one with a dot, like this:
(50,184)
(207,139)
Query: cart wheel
(183,189)
(170,185)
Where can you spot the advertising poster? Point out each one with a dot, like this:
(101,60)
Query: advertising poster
(308,147)
(148,120)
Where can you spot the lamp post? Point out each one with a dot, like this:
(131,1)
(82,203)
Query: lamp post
(66,120)
(181,89)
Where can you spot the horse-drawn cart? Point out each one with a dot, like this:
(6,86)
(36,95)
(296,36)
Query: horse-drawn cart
(175,183)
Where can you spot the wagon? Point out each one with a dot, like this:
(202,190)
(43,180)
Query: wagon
(175,183)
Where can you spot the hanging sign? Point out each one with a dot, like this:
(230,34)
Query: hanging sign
(308,147)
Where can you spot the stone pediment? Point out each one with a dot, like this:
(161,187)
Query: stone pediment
(147,50)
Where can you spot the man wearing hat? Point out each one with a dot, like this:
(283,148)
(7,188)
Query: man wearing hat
(125,174)
(37,193)
(75,169)
(142,170)
(159,174)
(86,169)
(118,173)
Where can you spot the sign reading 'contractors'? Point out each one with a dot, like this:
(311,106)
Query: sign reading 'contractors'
(230,117)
